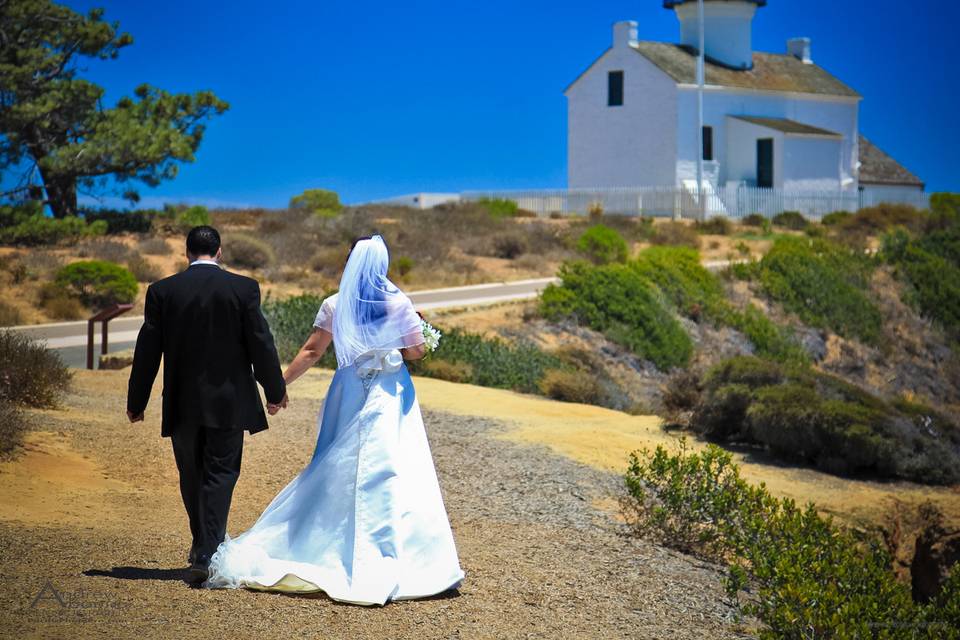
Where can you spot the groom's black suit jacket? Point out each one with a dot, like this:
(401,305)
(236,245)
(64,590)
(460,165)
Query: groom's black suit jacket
(216,345)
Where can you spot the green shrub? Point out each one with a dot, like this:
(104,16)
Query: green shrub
(619,302)
(121,221)
(717,226)
(801,415)
(191,217)
(291,322)
(934,281)
(32,376)
(445,370)
(25,225)
(675,233)
(681,391)
(694,291)
(98,284)
(571,386)
(509,246)
(742,248)
(603,245)
(403,265)
(884,216)
(492,361)
(753,220)
(805,576)
(320,202)
(835,218)
(824,284)
(247,252)
(791,220)
(499,207)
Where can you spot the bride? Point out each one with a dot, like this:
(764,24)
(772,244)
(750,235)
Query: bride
(364,522)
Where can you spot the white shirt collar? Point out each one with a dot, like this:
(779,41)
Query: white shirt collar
(213,262)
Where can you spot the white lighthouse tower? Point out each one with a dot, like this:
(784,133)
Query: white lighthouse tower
(728,26)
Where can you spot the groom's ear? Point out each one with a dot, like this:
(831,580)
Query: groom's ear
(219,256)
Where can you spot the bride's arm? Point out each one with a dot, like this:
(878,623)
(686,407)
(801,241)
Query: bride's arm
(311,351)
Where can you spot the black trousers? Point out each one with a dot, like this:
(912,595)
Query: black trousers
(209,465)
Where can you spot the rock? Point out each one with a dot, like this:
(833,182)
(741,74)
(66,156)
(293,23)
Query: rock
(813,342)
(117,360)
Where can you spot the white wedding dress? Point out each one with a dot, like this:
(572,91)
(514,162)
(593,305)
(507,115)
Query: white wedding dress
(364,522)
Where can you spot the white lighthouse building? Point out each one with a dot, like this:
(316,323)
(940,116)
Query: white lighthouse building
(771,120)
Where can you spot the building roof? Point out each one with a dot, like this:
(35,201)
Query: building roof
(790,127)
(876,167)
(670,4)
(770,72)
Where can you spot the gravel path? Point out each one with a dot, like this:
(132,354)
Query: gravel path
(542,560)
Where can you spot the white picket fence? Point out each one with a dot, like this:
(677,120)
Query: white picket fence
(684,202)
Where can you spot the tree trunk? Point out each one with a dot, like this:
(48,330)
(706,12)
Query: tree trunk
(61,195)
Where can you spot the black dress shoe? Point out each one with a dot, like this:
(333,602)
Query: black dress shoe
(200,568)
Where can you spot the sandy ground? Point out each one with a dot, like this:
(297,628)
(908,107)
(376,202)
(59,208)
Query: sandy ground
(94,535)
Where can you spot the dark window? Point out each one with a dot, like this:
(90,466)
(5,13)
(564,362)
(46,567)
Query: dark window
(615,88)
(708,143)
(765,162)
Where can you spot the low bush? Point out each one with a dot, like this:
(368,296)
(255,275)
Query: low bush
(402,266)
(571,386)
(499,207)
(717,226)
(25,225)
(247,252)
(32,376)
(103,249)
(98,284)
(823,283)
(929,267)
(603,245)
(154,247)
(10,315)
(191,217)
(492,362)
(12,427)
(446,370)
(58,305)
(835,218)
(799,414)
(681,391)
(883,217)
(753,220)
(320,202)
(121,221)
(595,210)
(144,270)
(791,220)
(291,322)
(804,576)
(620,302)
(675,233)
(509,245)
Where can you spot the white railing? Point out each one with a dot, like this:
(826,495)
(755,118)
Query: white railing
(684,202)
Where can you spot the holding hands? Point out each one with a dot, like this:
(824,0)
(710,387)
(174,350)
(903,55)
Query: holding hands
(274,409)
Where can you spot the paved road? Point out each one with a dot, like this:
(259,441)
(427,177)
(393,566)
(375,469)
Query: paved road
(70,338)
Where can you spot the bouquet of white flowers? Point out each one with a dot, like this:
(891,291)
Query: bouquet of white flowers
(431,337)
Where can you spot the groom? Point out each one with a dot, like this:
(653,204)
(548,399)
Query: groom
(206,324)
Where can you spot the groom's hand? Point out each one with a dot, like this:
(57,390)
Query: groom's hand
(134,417)
(274,409)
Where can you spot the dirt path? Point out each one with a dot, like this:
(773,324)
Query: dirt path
(94,535)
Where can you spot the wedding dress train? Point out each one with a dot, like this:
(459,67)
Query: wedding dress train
(364,522)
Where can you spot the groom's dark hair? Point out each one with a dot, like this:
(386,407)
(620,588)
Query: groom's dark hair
(203,241)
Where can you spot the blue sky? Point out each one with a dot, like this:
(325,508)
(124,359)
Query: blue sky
(378,99)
